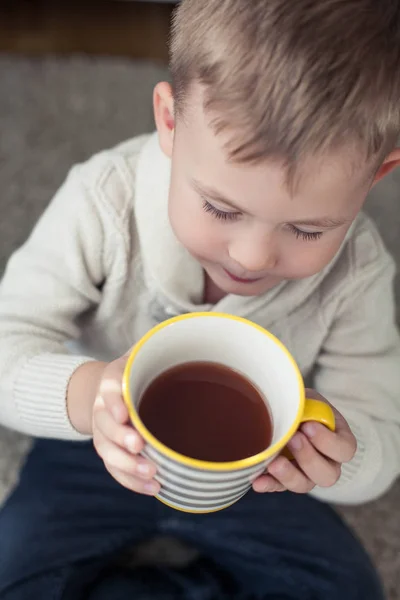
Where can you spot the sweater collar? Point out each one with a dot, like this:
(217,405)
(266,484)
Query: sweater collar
(170,270)
(167,265)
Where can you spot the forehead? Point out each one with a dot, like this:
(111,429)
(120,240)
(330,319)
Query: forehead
(340,178)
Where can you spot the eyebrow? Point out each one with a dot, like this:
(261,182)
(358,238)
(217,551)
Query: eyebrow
(214,195)
(323,222)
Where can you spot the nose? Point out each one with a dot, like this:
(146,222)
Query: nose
(253,253)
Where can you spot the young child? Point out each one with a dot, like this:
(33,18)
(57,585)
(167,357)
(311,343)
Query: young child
(280,118)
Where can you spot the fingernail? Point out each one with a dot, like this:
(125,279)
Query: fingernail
(261,489)
(151,488)
(309,429)
(143,469)
(296,443)
(270,487)
(110,385)
(99,402)
(131,442)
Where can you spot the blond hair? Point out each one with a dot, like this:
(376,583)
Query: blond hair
(287,78)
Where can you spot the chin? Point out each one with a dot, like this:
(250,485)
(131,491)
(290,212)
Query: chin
(248,293)
(251,290)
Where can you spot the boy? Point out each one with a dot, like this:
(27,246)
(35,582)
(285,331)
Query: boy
(281,117)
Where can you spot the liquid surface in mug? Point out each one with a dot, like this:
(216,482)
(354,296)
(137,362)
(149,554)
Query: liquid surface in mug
(208,412)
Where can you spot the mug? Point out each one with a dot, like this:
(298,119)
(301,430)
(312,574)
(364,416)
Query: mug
(197,486)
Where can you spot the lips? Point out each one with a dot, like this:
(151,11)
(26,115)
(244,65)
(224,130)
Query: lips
(240,279)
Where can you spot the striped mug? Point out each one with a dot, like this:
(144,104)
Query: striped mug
(198,486)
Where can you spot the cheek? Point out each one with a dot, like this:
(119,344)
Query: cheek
(307,258)
(192,226)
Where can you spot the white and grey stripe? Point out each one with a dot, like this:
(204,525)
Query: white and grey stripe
(196,490)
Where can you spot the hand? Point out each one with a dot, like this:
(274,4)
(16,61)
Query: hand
(117,442)
(318,455)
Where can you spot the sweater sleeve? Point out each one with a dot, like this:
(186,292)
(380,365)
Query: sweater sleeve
(359,372)
(49,282)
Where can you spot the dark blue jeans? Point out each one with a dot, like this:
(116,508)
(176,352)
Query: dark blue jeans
(66,523)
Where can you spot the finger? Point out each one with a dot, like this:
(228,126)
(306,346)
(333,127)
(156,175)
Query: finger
(117,458)
(339,445)
(150,488)
(111,389)
(118,366)
(286,473)
(328,445)
(109,396)
(122,435)
(267,483)
(317,468)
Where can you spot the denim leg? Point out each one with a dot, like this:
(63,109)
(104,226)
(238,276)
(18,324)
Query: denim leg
(281,545)
(67,520)
(63,527)
(200,580)
(63,523)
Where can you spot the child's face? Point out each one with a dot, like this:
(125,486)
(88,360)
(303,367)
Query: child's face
(241,222)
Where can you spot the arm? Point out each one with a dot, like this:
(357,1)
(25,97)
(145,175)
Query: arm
(49,283)
(81,394)
(358,370)
(52,280)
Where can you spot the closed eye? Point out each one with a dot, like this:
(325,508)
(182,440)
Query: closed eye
(308,236)
(222,215)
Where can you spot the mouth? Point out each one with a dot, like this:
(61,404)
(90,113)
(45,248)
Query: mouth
(240,279)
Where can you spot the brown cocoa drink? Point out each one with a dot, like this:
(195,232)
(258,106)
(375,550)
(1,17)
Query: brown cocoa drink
(208,412)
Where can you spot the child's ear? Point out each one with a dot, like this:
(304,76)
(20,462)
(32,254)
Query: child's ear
(391,162)
(163,104)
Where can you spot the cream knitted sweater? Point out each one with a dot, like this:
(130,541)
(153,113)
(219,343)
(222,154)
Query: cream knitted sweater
(102,266)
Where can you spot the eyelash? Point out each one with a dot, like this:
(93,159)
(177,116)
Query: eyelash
(221,215)
(308,236)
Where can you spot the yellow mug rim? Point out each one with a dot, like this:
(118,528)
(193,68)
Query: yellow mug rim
(241,464)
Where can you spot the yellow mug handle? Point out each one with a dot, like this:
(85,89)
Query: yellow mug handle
(315,410)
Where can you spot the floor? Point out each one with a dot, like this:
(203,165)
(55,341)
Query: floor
(112,27)
(55,112)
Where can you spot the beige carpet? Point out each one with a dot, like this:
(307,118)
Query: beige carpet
(54,113)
